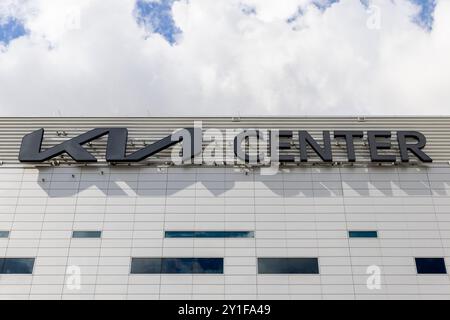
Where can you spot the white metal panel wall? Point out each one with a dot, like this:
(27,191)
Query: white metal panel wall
(302,212)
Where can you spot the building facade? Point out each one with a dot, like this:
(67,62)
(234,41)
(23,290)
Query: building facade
(153,229)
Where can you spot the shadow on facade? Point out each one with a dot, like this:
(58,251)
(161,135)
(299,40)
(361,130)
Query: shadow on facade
(113,184)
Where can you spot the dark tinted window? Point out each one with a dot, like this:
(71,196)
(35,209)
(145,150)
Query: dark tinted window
(207,265)
(87,234)
(16,265)
(209,234)
(146,265)
(182,265)
(177,265)
(288,265)
(363,234)
(431,266)
(4,234)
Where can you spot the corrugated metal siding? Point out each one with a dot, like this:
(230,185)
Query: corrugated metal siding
(147,130)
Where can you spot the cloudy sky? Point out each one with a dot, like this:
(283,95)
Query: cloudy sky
(224,57)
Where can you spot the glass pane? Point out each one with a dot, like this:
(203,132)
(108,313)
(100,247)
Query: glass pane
(363,234)
(177,265)
(209,234)
(87,234)
(179,234)
(288,266)
(146,265)
(208,265)
(17,265)
(180,265)
(431,266)
(4,234)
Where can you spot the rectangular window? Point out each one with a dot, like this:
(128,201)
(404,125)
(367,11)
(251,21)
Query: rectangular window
(288,266)
(431,266)
(209,234)
(16,265)
(4,234)
(363,234)
(176,265)
(87,234)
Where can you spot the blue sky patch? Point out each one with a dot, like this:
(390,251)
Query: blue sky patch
(10,29)
(425,17)
(295,16)
(156,16)
(323,4)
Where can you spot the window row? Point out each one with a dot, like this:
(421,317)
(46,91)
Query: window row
(216,234)
(215,265)
(247,234)
(265,265)
(203,234)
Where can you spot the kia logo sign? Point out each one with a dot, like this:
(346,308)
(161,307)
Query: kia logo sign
(409,143)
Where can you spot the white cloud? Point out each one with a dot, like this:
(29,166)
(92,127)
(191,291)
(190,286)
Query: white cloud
(226,62)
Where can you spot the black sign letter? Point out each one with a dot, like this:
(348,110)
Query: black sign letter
(117,145)
(416,149)
(375,145)
(348,136)
(324,153)
(30,150)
